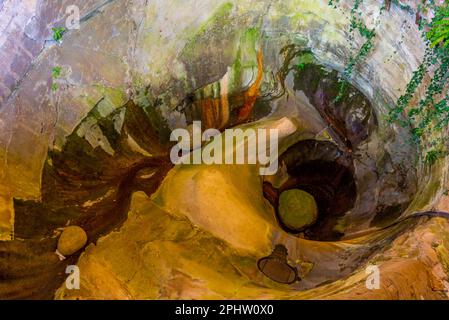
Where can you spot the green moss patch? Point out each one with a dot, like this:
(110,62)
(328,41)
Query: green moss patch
(297,209)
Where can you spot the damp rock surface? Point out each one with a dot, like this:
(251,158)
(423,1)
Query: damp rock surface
(91,152)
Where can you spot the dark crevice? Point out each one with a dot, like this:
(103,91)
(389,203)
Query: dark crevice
(320,169)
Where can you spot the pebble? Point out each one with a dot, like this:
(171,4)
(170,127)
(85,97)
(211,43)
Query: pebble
(72,239)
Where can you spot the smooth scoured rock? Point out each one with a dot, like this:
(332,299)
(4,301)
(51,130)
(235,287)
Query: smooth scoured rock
(72,239)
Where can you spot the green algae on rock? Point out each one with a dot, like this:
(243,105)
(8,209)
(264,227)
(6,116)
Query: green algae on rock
(297,209)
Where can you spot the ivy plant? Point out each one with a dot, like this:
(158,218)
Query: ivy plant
(57,33)
(430,115)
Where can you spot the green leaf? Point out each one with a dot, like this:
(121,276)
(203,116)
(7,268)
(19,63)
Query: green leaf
(58,32)
(441,23)
(56,72)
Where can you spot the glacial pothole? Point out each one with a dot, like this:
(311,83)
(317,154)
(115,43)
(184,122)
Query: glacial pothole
(90,180)
(102,161)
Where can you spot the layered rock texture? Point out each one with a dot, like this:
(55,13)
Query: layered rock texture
(84,144)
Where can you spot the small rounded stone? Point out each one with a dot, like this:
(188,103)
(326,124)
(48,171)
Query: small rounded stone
(72,239)
(297,209)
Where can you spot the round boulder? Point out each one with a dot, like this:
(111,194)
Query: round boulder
(297,209)
(72,239)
